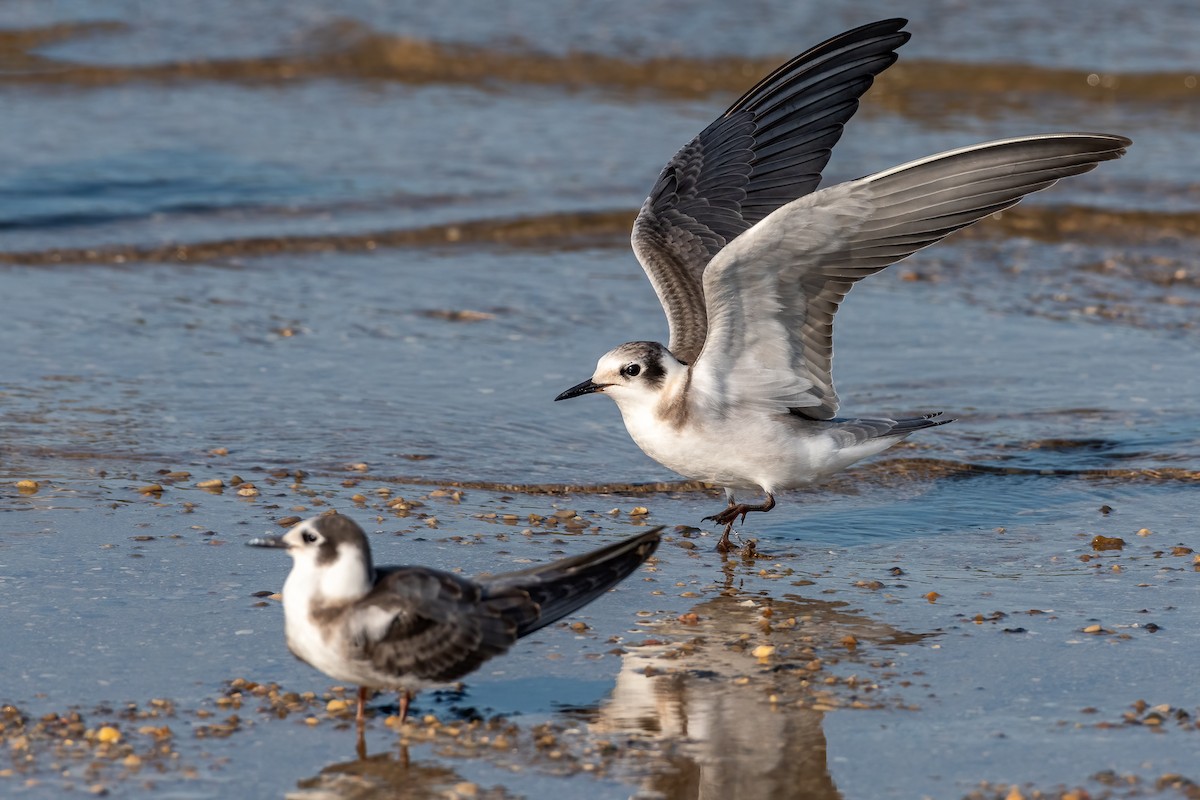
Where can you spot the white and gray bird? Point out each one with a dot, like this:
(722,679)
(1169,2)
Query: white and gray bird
(750,262)
(407,628)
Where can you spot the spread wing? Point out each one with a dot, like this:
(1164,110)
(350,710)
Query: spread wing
(773,292)
(434,625)
(766,150)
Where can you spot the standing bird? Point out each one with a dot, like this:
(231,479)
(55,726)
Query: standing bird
(750,265)
(408,628)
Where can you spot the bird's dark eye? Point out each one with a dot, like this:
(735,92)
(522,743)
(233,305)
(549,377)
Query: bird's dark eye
(308,538)
(631,370)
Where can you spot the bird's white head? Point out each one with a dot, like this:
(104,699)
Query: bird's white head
(637,376)
(331,559)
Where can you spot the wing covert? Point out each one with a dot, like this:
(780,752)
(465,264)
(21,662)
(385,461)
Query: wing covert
(772,294)
(436,625)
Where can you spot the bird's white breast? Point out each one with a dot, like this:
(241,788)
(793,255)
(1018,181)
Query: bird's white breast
(336,637)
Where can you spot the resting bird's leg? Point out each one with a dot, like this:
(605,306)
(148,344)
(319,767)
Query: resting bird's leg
(361,716)
(405,698)
(360,719)
(732,512)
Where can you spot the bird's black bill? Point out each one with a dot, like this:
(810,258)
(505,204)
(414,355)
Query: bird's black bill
(580,389)
(268,541)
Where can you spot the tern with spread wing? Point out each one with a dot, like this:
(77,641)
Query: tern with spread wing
(408,628)
(750,262)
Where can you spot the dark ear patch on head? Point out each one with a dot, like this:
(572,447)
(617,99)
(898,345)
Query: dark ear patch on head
(326,552)
(340,530)
(648,356)
(653,372)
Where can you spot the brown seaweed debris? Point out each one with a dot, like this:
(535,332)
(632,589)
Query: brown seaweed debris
(610,228)
(350,50)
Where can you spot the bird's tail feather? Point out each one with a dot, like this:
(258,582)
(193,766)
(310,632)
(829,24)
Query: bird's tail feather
(903,427)
(564,586)
(868,431)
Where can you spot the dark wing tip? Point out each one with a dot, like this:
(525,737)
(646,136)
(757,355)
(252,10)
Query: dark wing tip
(884,27)
(644,545)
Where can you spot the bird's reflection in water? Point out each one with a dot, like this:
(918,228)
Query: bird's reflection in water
(391,776)
(711,708)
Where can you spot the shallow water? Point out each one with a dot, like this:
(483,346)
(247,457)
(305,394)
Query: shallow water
(256,232)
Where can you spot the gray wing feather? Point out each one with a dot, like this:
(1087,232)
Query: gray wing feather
(772,293)
(442,626)
(850,432)
(767,149)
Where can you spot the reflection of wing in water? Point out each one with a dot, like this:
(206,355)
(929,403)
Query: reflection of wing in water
(733,743)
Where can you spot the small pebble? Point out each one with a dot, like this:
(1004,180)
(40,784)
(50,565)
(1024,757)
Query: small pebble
(1107,542)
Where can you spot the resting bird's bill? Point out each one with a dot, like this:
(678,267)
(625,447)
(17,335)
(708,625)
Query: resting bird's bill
(407,628)
(750,262)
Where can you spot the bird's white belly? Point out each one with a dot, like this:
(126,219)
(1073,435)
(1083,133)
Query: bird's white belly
(759,452)
(327,650)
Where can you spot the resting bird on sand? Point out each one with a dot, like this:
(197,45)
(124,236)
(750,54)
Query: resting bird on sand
(408,628)
(751,262)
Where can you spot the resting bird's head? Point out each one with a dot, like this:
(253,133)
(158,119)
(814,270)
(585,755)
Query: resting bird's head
(331,558)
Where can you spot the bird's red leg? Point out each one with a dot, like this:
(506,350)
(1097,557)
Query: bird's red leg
(405,699)
(361,716)
(360,719)
(730,515)
(724,546)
